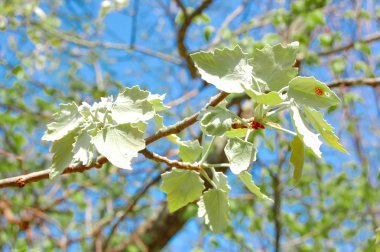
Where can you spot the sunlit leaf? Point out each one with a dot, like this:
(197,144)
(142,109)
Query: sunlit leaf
(240,154)
(308,138)
(215,121)
(246,178)
(226,69)
(119,144)
(182,187)
(189,151)
(311,92)
(297,157)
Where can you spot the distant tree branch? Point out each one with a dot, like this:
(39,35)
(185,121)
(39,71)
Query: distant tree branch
(181,35)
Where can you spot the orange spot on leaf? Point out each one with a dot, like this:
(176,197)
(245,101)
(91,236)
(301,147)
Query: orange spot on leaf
(319,91)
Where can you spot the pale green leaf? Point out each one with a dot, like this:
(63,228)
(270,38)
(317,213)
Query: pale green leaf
(132,106)
(297,157)
(215,121)
(226,69)
(324,128)
(119,144)
(65,120)
(220,180)
(62,154)
(308,138)
(189,151)
(273,65)
(311,92)
(181,187)
(214,207)
(83,148)
(272,98)
(240,154)
(246,178)
(157,102)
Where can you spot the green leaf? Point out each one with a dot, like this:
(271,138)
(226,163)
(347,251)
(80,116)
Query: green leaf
(65,120)
(273,65)
(220,180)
(272,98)
(311,92)
(182,187)
(297,157)
(214,207)
(226,69)
(308,138)
(62,154)
(240,154)
(159,120)
(246,178)
(133,106)
(119,144)
(236,133)
(215,121)
(83,148)
(189,151)
(157,102)
(324,128)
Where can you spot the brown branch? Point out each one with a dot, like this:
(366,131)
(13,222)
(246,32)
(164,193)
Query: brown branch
(372,82)
(182,49)
(22,180)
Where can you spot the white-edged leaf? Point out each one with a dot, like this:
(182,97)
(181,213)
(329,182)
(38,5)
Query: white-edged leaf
(66,119)
(240,154)
(181,187)
(189,151)
(62,154)
(119,144)
(226,69)
(246,178)
(273,65)
(215,121)
(297,157)
(132,106)
(308,137)
(324,128)
(311,92)
(214,207)
(83,148)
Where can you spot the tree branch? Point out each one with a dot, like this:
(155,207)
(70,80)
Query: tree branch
(21,181)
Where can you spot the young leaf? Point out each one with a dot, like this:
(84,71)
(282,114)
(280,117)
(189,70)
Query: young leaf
(62,154)
(324,128)
(132,106)
(311,92)
(189,151)
(182,187)
(214,207)
(272,98)
(157,102)
(246,178)
(119,144)
(240,154)
(159,120)
(226,69)
(297,157)
(308,138)
(274,65)
(65,120)
(215,121)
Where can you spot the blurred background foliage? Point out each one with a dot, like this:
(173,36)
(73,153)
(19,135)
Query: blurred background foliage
(59,51)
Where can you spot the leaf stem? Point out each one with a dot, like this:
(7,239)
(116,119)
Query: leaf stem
(281,129)
(207,152)
(222,165)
